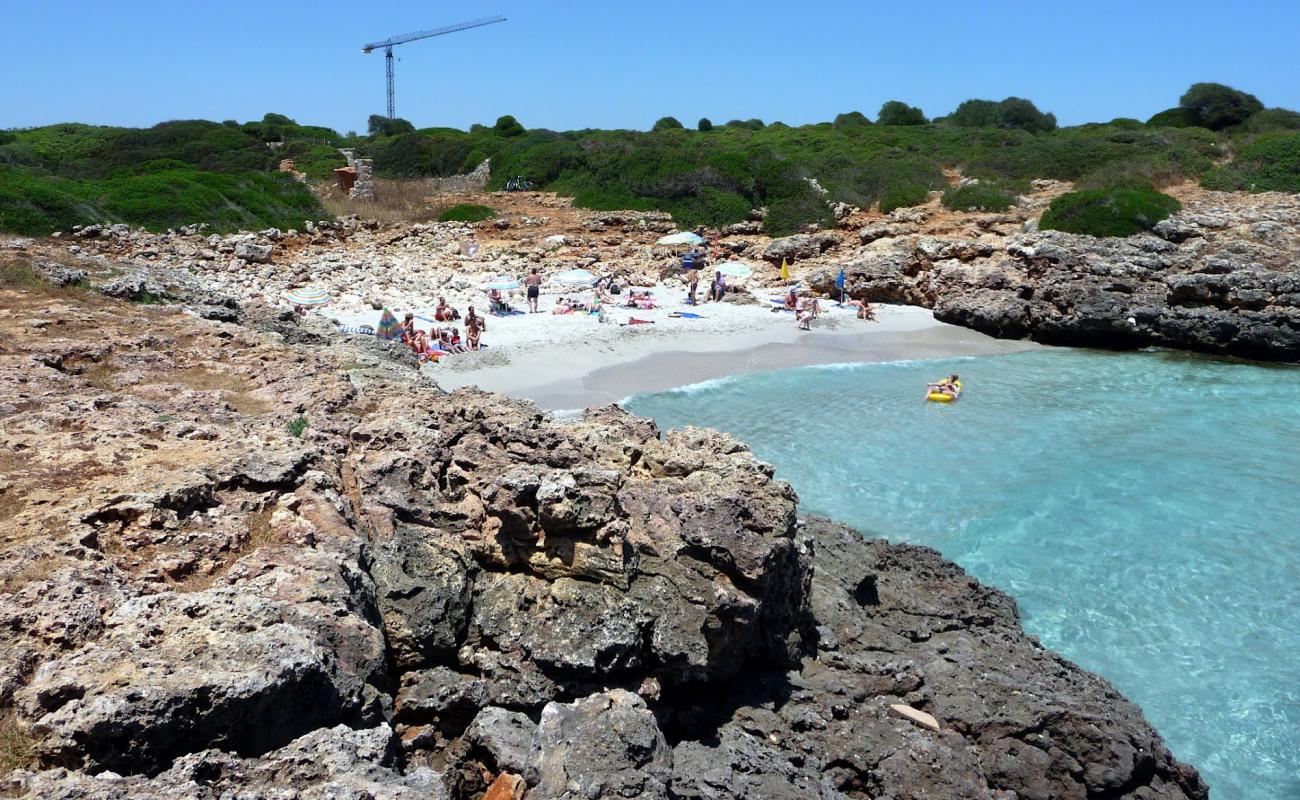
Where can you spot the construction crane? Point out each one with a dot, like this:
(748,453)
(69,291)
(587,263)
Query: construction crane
(389,44)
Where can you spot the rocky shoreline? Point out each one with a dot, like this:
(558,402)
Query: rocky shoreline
(252,560)
(1220,277)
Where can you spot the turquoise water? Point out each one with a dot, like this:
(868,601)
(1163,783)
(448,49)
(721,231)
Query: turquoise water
(1142,509)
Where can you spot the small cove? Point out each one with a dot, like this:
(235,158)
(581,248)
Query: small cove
(1136,505)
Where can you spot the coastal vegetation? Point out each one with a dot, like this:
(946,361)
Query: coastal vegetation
(1116,211)
(467,212)
(226,174)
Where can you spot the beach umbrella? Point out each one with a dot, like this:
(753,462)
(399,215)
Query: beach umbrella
(308,296)
(681,238)
(785,270)
(389,328)
(575,277)
(502,284)
(735,269)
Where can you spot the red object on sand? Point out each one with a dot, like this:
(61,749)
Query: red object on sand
(635,321)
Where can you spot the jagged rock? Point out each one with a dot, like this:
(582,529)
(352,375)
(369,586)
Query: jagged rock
(325,764)
(506,736)
(172,673)
(801,245)
(254,252)
(135,286)
(881,230)
(605,745)
(58,274)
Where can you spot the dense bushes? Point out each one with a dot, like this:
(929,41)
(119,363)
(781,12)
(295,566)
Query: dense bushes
(1013,113)
(895,112)
(379,125)
(1215,106)
(1120,211)
(167,198)
(467,212)
(1269,164)
(978,197)
(667,124)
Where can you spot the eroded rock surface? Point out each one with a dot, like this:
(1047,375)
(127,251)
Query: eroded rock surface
(421,594)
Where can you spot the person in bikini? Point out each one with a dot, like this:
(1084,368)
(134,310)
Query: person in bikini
(791,300)
(444,312)
(534,283)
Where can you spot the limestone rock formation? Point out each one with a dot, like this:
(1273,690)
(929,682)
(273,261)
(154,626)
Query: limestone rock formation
(203,600)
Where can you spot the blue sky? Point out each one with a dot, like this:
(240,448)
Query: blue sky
(624,64)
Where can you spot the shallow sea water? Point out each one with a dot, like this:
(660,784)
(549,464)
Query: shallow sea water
(1142,508)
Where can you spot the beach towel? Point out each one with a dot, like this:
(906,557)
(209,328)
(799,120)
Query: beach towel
(511,313)
(389,328)
(685,315)
(362,329)
(635,321)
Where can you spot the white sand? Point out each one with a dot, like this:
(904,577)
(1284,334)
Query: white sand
(574,361)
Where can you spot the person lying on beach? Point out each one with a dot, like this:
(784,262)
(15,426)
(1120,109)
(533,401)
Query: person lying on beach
(562,307)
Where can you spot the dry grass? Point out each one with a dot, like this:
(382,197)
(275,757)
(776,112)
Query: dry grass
(395,201)
(17,748)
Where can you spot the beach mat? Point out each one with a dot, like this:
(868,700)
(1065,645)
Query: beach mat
(685,315)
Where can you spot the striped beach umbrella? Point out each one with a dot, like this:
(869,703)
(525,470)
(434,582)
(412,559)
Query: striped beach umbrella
(681,238)
(735,269)
(575,277)
(389,328)
(308,296)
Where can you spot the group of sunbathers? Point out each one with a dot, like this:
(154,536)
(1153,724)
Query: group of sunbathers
(438,341)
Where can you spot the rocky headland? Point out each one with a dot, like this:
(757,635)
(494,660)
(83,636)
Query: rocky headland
(246,558)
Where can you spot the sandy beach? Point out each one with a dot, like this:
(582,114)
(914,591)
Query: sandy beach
(573,361)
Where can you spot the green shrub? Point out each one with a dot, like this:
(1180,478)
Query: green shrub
(297,427)
(667,124)
(38,204)
(705,124)
(379,125)
(977,197)
(1120,211)
(1176,117)
(1215,106)
(905,196)
(466,212)
(853,119)
(1270,120)
(509,126)
(1269,164)
(895,112)
(1013,113)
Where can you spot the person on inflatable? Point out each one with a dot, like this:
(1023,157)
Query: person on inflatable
(946,386)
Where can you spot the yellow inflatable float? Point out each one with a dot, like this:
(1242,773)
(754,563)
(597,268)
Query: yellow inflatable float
(936,396)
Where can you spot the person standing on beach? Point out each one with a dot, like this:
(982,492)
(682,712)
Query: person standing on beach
(692,284)
(534,283)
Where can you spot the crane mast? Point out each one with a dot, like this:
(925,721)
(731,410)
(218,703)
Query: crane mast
(390,43)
